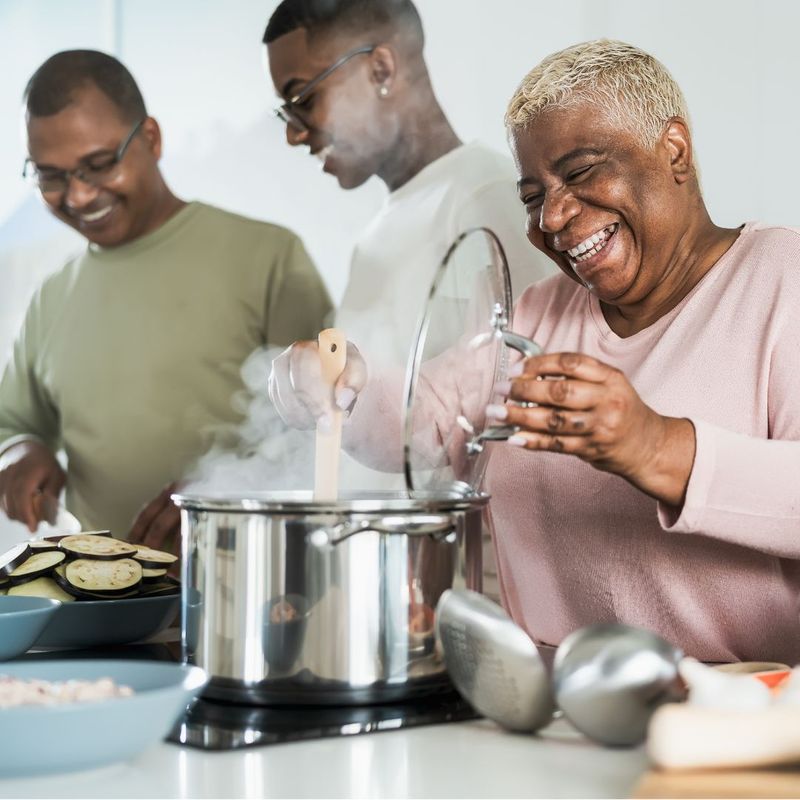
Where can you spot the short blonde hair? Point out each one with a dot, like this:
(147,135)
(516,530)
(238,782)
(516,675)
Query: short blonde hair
(629,85)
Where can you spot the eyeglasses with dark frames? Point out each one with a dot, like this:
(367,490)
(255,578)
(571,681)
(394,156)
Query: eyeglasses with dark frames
(57,180)
(287,112)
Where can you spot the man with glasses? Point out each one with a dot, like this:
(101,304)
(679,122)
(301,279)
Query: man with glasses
(358,95)
(129,357)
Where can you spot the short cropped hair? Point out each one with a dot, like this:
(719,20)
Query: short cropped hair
(632,87)
(54,85)
(348,16)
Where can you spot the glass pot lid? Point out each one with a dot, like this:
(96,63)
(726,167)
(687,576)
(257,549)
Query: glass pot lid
(458,357)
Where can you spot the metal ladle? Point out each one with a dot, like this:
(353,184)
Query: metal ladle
(492,661)
(609,679)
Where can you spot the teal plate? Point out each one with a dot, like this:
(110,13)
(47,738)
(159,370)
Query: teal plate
(99,623)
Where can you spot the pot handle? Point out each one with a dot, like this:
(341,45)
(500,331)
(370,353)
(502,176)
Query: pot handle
(440,526)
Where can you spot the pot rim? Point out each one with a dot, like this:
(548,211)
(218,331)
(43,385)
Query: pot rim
(455,498)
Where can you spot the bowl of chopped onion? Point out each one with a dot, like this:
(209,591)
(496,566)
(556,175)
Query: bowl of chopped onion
(61,716)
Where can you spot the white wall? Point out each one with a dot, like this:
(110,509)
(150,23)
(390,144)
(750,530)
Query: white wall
(199,65)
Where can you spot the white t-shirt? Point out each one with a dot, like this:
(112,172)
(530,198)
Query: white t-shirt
(396,259)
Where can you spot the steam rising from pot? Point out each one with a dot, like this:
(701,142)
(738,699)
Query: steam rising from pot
(268,456)
(263,455)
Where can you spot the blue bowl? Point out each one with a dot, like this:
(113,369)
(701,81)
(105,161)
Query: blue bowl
(74,736)
(22,619)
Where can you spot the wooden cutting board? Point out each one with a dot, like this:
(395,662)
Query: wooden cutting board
(784,782)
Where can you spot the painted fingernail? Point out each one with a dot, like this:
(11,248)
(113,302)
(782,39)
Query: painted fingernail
(344,398)
(496,412)
(515,370)
(503,387)
(324,423)
(517,441)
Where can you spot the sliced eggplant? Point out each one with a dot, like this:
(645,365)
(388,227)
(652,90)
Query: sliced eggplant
(13,557)
(108,578)
(96,546)
(35,566)
(57,537)
(43,545)
(153,559)
(60,577)
(153,575)
(41,587)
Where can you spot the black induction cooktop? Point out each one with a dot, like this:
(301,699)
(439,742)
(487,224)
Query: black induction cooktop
(217,725)
(213,725)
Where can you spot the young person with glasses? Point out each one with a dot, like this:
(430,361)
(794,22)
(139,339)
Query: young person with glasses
(358,95)
(130,355)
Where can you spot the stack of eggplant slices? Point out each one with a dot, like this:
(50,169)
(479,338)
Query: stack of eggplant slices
(86,566)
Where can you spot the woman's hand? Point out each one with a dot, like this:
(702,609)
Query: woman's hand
(589,409)
(298,391)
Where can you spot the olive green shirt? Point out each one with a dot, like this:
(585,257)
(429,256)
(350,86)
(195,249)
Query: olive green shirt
(130,357)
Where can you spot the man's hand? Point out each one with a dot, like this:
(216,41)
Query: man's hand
(28,469)
(158,524)
(298,391)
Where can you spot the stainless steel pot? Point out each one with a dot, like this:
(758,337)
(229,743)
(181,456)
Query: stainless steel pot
(290,601)
(287,600)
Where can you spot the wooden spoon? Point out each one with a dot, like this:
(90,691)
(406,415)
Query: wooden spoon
(333,355)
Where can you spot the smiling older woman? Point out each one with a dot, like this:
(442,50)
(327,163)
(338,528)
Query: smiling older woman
(678,347)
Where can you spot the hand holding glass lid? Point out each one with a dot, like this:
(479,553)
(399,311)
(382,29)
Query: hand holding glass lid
(574,404)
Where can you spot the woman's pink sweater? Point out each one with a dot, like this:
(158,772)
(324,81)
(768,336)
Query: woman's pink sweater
(721,576)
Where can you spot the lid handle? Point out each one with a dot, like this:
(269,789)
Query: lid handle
(499,433)
(522,344)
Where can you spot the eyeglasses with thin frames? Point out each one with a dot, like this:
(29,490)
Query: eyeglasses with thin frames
(57,180)
(287,112)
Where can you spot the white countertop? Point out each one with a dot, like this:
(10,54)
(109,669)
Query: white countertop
(463,759)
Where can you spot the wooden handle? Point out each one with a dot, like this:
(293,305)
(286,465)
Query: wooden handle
(332,354)
(333,357)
